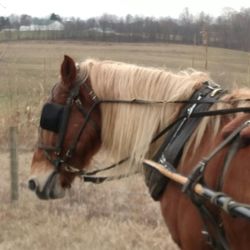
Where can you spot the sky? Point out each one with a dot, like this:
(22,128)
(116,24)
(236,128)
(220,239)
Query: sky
(93,8)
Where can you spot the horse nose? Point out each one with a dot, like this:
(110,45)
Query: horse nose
(32,184)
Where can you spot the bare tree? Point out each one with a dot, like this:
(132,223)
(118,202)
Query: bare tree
(25,20)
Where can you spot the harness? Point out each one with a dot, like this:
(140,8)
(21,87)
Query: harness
(213,231)
(176,138)
(55,118)
(170,153)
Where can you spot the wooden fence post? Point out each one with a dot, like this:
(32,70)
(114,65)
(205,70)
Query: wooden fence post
(194,49)
(13,163)
(204,34)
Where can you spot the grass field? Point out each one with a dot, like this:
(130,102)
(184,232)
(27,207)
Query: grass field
(116,215)
(29,69)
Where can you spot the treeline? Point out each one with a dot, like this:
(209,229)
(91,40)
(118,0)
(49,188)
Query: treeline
(230,30)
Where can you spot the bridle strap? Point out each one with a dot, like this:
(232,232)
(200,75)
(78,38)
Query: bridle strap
(236,144)
(86,177)
(78,135)
(85,114)
(59,160)
(202,114)
(197,173)
(165,130)
(73,96)
(63,126)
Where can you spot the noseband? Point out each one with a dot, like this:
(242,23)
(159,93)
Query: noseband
(55,118)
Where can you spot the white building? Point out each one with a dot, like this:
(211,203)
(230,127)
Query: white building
(56,25)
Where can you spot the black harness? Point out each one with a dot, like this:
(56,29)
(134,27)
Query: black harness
(176,138)
(55,118)
(170,153)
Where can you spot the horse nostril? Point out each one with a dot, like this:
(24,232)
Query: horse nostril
(32,185)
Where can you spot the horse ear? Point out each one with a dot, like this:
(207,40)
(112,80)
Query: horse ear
(68,71)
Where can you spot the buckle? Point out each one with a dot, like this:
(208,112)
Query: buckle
(71,169)
(215,91)
(93,95)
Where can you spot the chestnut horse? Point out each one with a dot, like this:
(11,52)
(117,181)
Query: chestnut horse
(80,118)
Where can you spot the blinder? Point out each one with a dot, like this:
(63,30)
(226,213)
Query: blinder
(51,117)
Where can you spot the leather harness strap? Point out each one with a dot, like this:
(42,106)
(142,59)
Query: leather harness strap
(181,132)
(176,138)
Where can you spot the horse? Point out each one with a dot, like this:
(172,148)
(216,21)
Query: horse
(120,108)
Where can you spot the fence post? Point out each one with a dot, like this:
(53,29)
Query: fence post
(204,34)
(13,163)
(194,48)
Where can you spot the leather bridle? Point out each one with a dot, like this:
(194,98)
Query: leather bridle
(62,160)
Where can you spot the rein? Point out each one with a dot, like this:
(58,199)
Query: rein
(198,192)
(62,161)
(226,203)
(90,176)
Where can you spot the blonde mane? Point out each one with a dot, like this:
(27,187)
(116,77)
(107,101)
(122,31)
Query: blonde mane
(127,129)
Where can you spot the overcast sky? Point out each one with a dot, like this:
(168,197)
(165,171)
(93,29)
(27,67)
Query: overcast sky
(93,8)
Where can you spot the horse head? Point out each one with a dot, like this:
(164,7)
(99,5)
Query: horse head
(70,133)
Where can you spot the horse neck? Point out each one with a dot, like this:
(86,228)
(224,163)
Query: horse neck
(127,129)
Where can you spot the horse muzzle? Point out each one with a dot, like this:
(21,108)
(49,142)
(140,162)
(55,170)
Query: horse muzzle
(49,189)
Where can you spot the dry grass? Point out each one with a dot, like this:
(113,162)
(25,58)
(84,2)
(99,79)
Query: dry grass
(116,215)
(28,70)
